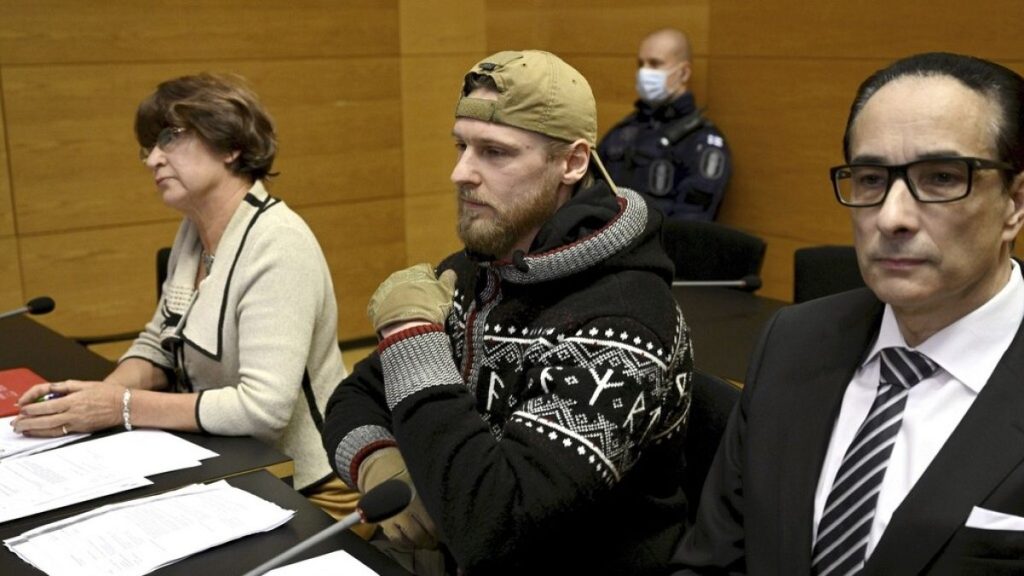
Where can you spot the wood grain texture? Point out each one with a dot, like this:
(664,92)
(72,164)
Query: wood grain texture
(364,242)
(340,136)
(441,26)
(783,142)
(103,280)
(430,86)
(6,203)
(355,355)
(11,295)
(63,31)
(430,227)
(112,350)
(338,124)
(80,119)
(872,29)
(592,27)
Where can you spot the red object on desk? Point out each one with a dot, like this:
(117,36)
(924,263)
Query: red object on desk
(14,383)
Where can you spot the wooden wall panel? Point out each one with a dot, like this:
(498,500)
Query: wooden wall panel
(103,280)
(783,74)
(874,29)
(74,160)
(784,141)
(340,136)
(431,234)
(338,123)
(11,295)
(441,39)
(363,243)
(48,31)
(6,203)
(592,27)
(441,27)
(431,85)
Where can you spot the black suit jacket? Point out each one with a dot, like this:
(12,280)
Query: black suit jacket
(756,511)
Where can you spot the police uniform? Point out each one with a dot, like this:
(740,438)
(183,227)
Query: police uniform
(672,155)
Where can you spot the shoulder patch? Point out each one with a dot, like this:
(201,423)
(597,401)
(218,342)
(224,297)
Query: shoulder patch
(712,163)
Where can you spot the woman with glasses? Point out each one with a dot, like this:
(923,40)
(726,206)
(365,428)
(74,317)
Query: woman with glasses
(244,338)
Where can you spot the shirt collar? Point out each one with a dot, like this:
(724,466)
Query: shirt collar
(969,348)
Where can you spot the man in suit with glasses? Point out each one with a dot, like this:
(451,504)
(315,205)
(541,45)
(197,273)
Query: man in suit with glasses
(881,430)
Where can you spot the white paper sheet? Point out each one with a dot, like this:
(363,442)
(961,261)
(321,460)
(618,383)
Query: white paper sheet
(337,562)
(89,470)
(14,445)
(137,537)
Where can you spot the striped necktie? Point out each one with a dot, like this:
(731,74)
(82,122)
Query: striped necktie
(845,525)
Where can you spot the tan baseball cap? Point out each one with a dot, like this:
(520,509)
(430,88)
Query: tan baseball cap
(537,91)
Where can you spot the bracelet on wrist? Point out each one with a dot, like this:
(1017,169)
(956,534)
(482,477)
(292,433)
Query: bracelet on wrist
(126,408)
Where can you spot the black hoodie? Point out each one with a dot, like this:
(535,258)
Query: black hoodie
(542,426)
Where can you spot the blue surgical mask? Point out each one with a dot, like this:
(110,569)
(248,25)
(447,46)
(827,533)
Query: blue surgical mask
(652,85)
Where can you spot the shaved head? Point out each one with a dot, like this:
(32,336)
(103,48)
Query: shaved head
(670,42)
(667,50)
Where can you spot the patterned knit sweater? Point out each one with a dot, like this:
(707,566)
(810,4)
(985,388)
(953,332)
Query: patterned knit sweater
(542,425)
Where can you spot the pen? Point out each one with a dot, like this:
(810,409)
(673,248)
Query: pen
(49,396)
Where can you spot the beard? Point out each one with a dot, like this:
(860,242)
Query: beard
(495,235)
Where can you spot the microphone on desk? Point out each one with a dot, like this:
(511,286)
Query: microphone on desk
(40,305)
(382,502)
(748,282)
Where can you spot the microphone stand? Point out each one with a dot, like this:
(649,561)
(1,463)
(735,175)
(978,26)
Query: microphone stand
(382,502)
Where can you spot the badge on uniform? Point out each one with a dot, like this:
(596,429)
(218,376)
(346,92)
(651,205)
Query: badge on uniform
(712,163)
(660,177)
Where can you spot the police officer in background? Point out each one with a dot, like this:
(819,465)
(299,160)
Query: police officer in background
(667,150)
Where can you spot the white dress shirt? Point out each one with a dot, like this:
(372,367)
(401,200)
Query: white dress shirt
(967,352)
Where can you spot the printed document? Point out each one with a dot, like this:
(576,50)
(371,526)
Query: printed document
(140,536)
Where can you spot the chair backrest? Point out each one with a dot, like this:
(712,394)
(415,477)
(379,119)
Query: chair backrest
(823,270)
(711,404)
(162,255)
(710,251)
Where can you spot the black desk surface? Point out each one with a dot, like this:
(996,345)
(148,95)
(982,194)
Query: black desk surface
(241,555)
(24,342)
(724,326)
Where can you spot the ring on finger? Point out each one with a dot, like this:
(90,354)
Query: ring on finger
(64,429)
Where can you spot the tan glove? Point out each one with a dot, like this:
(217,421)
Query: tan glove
(412,294)
(412,527)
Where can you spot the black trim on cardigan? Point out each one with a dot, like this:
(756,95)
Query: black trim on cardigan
(307,391)
(199,422)
(266,204)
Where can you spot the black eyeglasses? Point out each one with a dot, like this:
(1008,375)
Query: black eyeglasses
(933,180)
(165,141)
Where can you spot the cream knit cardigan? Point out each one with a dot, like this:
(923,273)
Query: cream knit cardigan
(259,335)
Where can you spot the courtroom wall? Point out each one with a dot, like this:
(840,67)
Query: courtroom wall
(783,75)
(363,93)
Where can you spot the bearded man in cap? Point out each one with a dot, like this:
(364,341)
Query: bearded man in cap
(535,391)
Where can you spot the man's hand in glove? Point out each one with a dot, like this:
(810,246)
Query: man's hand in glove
(411,296)
(412,527)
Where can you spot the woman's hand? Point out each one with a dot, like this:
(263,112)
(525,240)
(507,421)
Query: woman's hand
(82,407)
